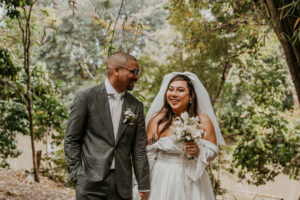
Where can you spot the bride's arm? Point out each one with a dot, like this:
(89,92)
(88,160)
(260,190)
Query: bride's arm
(208,128)
(152,137)
(208,144)
(206,147)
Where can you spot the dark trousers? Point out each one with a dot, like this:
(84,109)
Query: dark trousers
(113,194)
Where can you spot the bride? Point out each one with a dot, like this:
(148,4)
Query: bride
(173,175)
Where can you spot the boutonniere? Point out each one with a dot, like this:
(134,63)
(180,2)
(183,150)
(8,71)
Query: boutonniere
(129,117)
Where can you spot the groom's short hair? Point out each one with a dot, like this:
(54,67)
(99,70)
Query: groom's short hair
(118,59)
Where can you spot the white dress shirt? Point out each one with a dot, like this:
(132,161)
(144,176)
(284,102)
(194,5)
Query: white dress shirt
(111,101)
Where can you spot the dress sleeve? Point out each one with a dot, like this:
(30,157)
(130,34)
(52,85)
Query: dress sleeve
(208,151)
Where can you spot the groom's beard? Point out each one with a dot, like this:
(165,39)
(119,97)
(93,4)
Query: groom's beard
(131,83)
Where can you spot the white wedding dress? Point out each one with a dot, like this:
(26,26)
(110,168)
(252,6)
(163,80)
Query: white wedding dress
(173,176)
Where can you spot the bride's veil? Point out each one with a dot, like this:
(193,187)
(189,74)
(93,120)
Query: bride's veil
(204,103)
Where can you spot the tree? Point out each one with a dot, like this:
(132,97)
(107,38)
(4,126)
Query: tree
(24,25)
(29,101)
(285,19)
(48,112)
(77,47)
(215,38)
(264,135)
(8,147)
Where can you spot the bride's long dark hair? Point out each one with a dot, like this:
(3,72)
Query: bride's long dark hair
(168,114)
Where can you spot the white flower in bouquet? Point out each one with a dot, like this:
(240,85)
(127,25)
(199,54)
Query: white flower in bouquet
(187,129)
(185,116)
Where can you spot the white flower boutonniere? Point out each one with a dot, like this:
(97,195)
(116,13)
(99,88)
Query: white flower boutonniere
(129,117)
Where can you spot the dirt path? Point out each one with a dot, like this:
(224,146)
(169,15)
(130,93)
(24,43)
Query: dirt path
(19,186)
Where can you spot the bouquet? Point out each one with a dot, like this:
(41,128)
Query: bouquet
(187,129)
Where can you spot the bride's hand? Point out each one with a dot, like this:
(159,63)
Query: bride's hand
(192,148)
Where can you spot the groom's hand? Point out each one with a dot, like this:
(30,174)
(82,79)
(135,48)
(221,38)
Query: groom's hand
(143,195)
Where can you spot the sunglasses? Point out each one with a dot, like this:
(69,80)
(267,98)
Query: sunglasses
(134,72)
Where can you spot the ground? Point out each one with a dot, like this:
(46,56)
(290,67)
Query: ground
(21,186)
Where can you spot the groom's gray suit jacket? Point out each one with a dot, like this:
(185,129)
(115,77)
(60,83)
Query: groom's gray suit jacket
(90,144)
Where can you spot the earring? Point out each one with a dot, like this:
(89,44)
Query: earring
(190,102)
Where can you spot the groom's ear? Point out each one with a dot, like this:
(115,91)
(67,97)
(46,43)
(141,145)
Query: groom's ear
(116,70)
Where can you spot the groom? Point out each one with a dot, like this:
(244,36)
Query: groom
(103,141)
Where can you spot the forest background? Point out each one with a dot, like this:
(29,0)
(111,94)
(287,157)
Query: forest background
(242,51)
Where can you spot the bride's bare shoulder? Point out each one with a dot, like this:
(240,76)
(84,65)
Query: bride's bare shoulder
(208,127)
(203,117)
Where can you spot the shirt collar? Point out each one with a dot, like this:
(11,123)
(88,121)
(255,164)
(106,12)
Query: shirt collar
(110,89)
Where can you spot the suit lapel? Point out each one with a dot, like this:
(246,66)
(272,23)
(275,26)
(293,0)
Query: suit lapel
(102,105)
(122,126)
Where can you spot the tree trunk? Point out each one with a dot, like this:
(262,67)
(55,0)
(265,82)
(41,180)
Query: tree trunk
(29,108)
(38,158)
(223,80)
(26,45)
(292,51)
